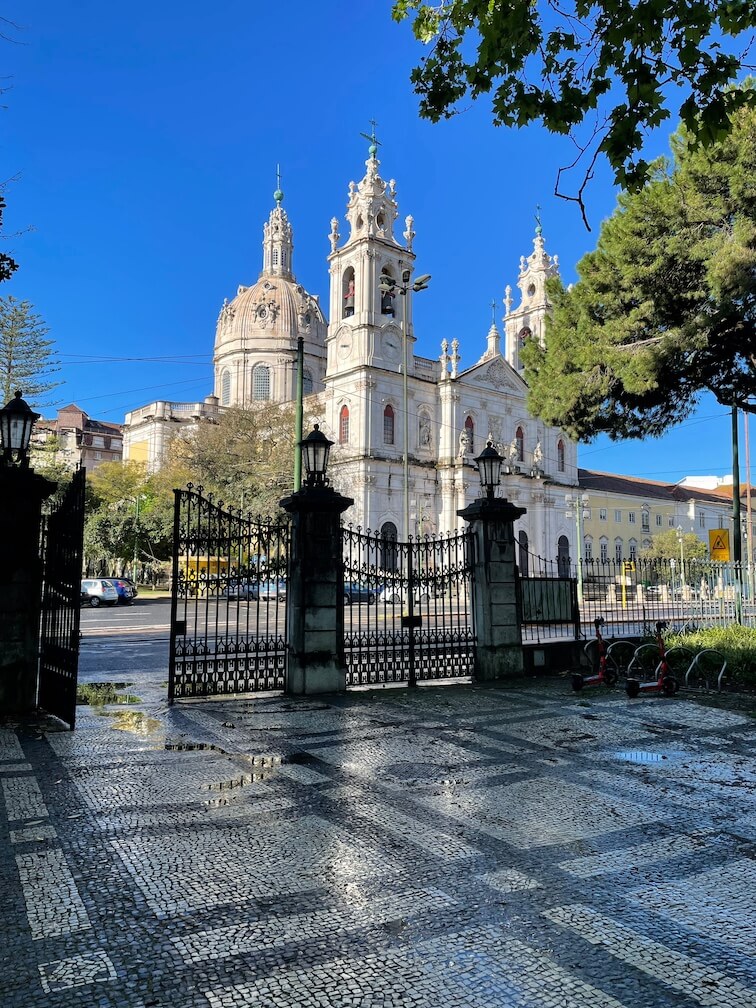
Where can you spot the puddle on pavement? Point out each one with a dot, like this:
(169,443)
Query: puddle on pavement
(103,693)
(194,747)
(136,722)
(641,756)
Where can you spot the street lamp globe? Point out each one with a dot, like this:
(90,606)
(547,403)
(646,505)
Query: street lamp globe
(16,422)
(315,450)
(489,467)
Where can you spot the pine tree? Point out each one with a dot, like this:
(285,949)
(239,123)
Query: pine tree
(26,358)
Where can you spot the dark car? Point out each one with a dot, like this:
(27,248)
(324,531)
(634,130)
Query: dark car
(132,585)
(271,591)
(354,592)
(244,590)
(124,589)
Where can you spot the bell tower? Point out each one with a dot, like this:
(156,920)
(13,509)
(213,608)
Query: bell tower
(368,271)
(527,320)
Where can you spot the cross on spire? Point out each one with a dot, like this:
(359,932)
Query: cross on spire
(278,194)
(493,313)
(539,229)
(375,143)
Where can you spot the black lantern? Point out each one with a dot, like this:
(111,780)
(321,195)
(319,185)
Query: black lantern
(315,451)
(489,466)
(16,422)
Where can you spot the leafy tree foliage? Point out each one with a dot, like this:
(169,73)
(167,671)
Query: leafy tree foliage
(246,458)
(8,266)
(26,358)
(614,65)
(665,307)
(666,546)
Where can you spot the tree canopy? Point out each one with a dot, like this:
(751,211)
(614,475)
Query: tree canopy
(26,357)
(8,266)
(612,67)
(666,546)
(665,307)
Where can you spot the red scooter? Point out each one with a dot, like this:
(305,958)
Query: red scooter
(665,683)
(607,673)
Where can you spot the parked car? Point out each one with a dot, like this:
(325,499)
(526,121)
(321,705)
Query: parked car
(270,591)
(124,589)
(98,591)
(355,592)
(241,590)
(132,585)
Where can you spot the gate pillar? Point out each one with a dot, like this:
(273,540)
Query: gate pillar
(497,602)
(315,593)
(22,492)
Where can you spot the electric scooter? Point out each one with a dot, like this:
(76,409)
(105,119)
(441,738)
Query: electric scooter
(665,683)
(606,675)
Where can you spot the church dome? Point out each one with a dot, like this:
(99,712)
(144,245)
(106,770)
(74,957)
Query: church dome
(257,332)
(270,314)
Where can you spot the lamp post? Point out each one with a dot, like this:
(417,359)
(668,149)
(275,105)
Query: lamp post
(576,505)
(136,536)
(680,543)
(315,449)
(16,422)
(391,287)
(489,467)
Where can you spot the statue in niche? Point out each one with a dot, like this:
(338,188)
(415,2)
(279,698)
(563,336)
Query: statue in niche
(465,443)
(514,450)
(424,431)
(537,455)
(349,299)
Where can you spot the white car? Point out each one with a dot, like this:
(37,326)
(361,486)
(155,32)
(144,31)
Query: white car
(396,595)
(98,591)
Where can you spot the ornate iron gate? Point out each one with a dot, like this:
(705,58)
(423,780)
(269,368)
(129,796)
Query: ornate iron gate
(407,608)
(228,605)
(61,551)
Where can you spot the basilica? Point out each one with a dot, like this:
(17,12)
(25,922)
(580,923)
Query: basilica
(367,403)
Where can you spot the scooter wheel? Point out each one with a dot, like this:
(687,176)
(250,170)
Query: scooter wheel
(633,688)
(610,675)
(669,686)
(577,682)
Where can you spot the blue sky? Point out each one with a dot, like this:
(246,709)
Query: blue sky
(142,144)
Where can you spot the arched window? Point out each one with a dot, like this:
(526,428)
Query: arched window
(470,432)
(618,550)
(588,548)
(261,382)
(283,258)
(560,455)
(307,381)
(524,336)
(519,445)
(632,549)
(563,556)
(347,292)
(603,549)
(225,396)
(389,548)
(522,552)
(388,425)
(344,425)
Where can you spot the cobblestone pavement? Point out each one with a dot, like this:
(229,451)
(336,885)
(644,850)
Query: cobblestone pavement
(453,848)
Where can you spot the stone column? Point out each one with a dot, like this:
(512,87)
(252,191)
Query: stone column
(497,601)
(22,492)
(315,593)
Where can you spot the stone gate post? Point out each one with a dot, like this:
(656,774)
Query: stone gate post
(497,601)
(22,492)
(315,594)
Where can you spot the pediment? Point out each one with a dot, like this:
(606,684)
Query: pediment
(496,373)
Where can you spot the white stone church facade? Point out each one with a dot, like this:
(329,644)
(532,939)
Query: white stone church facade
(353,369)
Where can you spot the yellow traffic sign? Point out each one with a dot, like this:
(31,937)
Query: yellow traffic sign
(719,544)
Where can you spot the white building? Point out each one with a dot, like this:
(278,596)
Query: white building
(354,362)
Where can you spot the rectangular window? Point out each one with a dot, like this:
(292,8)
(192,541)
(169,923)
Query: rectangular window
(701,519)
(604,551)
(671,522)
(631,517)
(618,515)
(618,552)
(602,514)
(658,521)
(645,526)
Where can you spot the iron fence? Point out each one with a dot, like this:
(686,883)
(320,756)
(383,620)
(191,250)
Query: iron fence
(228,603)
(407,607)
(632,595)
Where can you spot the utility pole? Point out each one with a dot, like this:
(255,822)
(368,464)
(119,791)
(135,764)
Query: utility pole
(298,420)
